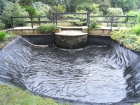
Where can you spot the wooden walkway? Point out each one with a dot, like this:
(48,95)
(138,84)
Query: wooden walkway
(103,31)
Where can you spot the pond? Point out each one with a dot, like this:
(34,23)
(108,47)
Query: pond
(92,75)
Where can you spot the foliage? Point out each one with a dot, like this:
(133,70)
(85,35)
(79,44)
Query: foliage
(59,8)
(26,2)
(2,3)
(42,9)
(9,34)
(88,7)
(127,38)
(31,10)
(93,24)
(84,6)
(94,8)
(10,95)
(46,28)
(103,7)
(1,25)
(14,10)
(78,22)
(114,11)
(138,17)
(131,13)
(136,29)
(126,5)
(2,35)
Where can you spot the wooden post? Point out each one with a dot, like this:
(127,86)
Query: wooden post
(88,18)
(127,18)
(56,17)
(112,17)
(135,19)
(53,18)
(12,23)
(39,20)
(31,21)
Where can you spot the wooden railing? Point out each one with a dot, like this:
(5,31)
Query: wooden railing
(32,20)
(57,16)
(87,16)
(116,19)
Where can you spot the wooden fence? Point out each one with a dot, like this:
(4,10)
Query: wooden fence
(58,16)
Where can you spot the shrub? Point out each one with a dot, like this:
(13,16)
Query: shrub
(127,38)
(136,29)
(2,35)
(94,8)
(9,34)
(114,11)
(84,6)
(59,8)
(93,24)
(103,7)
(78,22)
(31,10)
(75,21)
(131,13)
(119,35)
(12,9)
(41,9)
(1,25)
(25,2)
(138,17)
(46,28)
(88,7)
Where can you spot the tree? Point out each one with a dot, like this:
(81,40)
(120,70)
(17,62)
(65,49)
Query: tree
(70,5)
(126,5)
(26,2)
(13,9)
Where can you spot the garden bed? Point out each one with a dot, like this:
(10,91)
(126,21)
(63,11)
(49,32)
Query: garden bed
(6,41)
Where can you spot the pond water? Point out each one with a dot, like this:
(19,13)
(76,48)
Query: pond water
(95,74)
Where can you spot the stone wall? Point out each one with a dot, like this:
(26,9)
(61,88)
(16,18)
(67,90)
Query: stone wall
(71,42)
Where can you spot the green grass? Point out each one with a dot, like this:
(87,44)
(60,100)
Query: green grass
(10,95)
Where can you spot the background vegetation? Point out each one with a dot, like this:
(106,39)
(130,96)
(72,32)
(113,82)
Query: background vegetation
(42,8)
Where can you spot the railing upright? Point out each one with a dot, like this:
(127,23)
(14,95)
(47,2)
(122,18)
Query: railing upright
(127,18)
(39,20)
(135,19)
(88,18)
(112,18)
(12,22)
(31,20)
(56,14)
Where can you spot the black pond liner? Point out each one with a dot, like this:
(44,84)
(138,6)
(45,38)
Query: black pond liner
(104,73)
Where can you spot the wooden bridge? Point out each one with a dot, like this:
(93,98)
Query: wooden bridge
(57,17)
(87,17)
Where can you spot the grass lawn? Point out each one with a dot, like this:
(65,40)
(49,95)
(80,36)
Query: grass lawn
(10,95)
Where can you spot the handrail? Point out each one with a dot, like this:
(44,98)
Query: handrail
(31,20)
(87,18)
